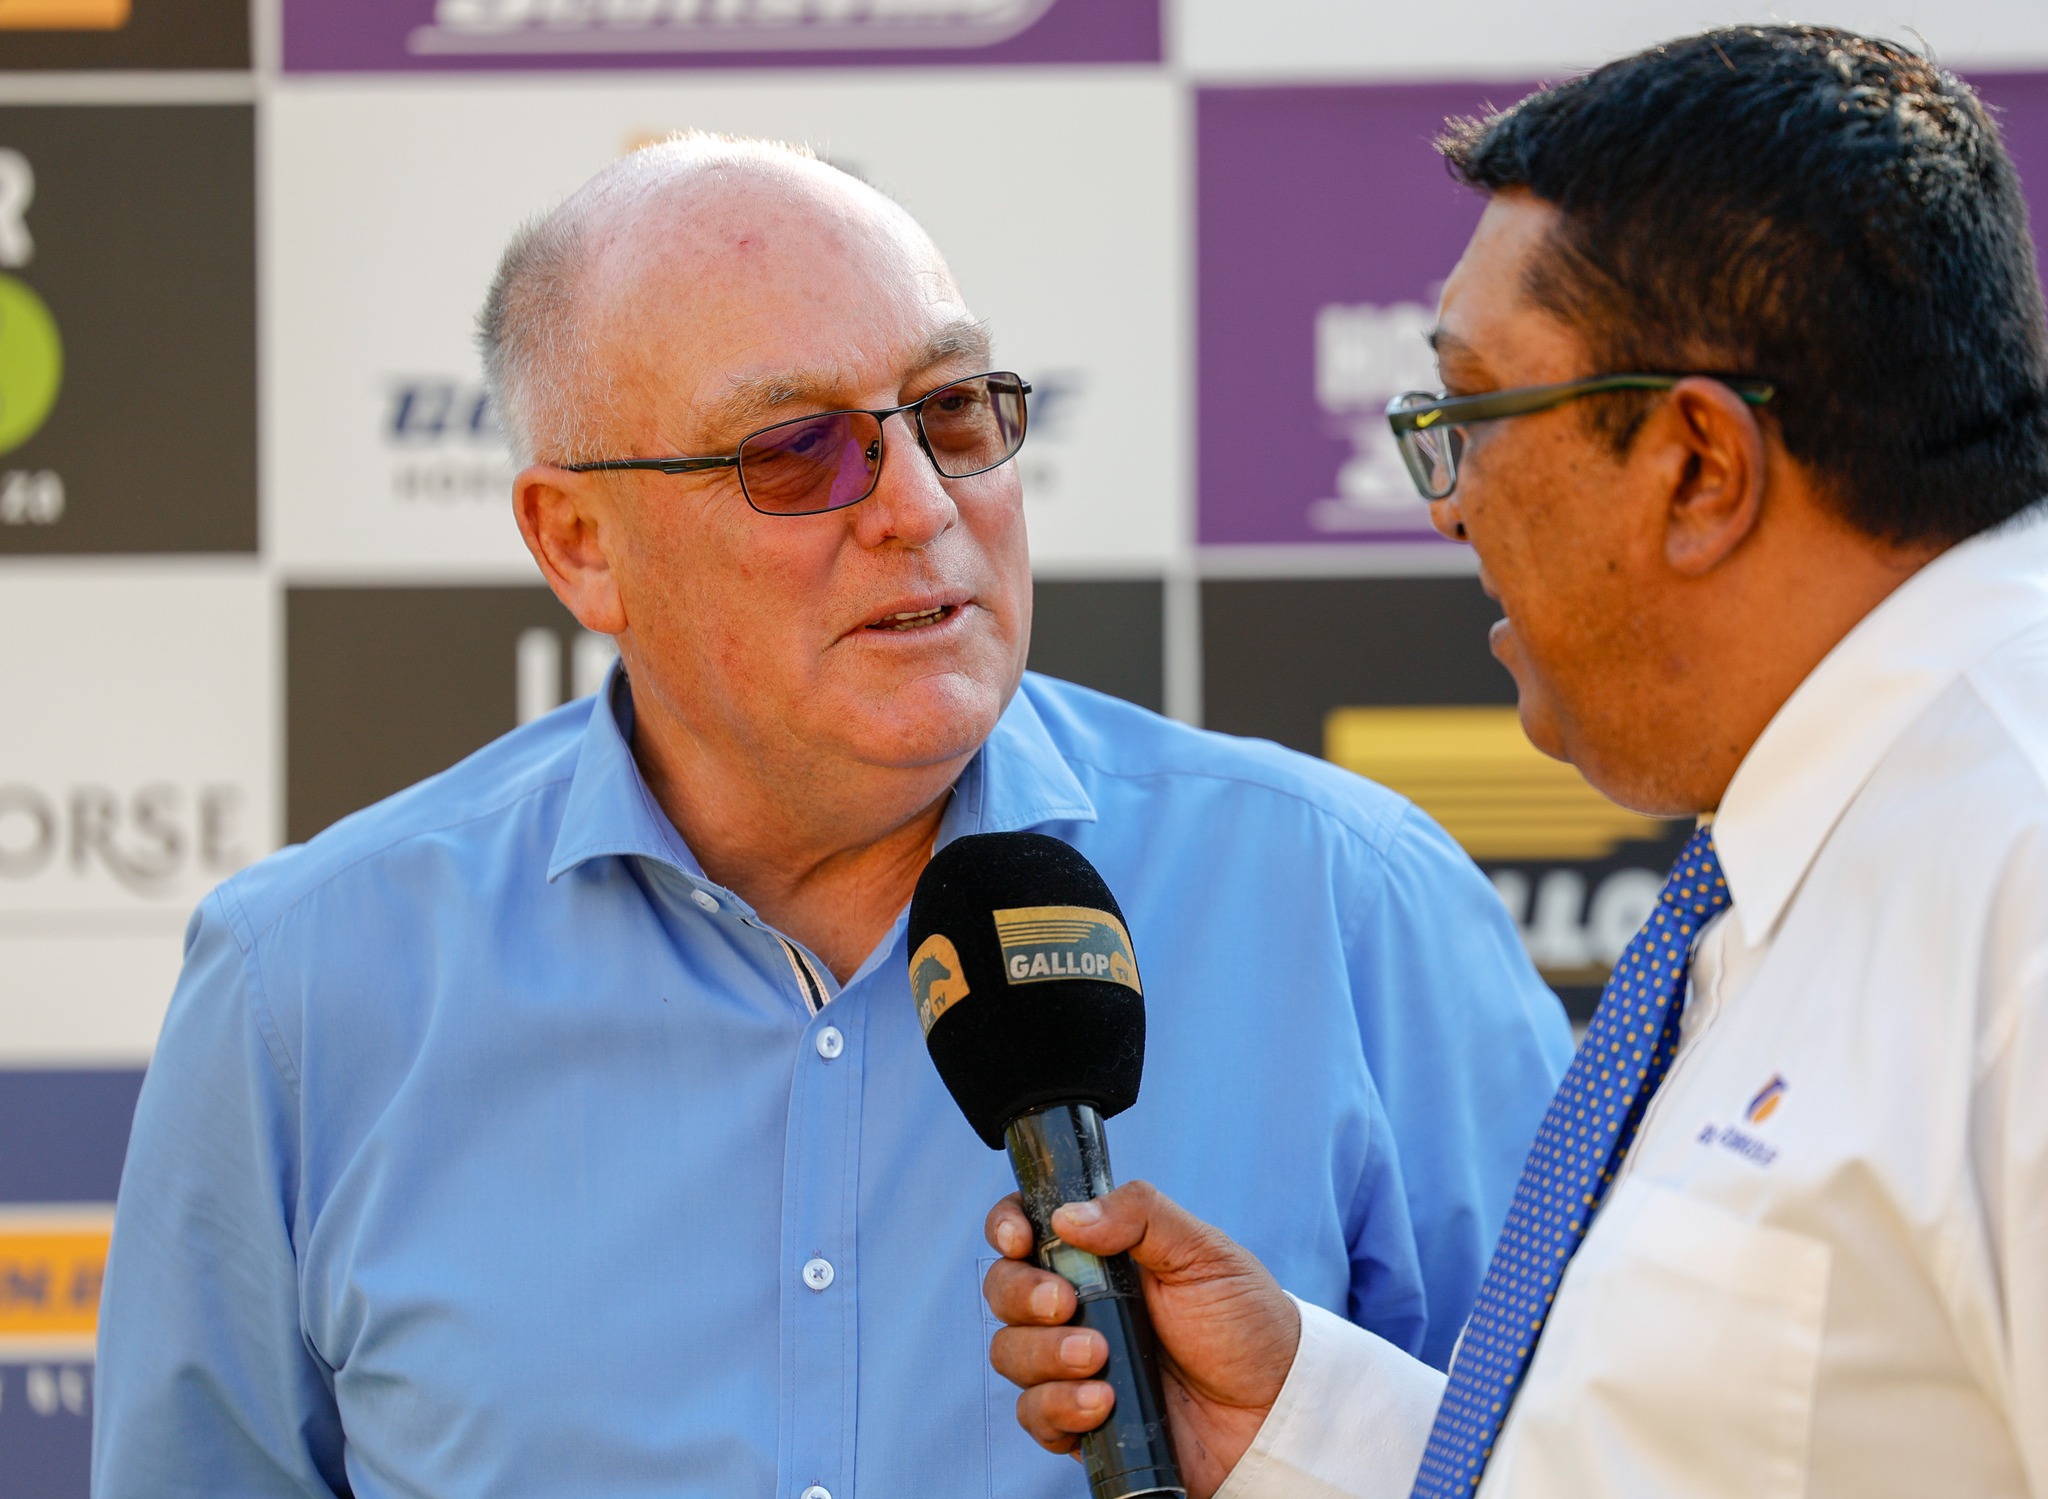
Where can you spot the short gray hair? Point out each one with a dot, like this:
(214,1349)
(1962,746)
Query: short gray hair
(545,384)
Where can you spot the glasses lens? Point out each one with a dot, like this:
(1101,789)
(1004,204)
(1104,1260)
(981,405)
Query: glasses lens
(812,464)
(1431,453)
(971,427)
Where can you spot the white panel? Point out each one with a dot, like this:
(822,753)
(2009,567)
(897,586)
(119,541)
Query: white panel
(1364,39)
(389,200)
(138,754)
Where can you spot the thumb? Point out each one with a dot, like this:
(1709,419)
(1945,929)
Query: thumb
(1140,1220)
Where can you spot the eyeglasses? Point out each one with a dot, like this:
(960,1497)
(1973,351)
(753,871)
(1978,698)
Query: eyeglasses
(1431,428)
(812,464)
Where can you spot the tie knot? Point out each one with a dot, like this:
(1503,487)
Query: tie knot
(1696,890)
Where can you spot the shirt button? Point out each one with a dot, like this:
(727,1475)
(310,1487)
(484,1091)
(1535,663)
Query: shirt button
(818,1275)
(705,900)
(830,1042)
(816,1491)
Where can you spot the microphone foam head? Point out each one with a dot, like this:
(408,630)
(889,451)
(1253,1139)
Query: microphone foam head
(1025,980)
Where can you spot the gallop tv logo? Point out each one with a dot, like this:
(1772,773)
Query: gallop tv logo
(31,354)
(1044,943)
(601,26)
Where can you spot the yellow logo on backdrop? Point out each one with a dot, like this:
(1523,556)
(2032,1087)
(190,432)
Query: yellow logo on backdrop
(1043,943)
(937,981)
(63,15)
(1474,771)
(51,1263)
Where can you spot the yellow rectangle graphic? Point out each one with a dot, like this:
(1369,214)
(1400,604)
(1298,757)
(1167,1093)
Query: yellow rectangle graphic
(63,15)
(51,1266)
(1476,773)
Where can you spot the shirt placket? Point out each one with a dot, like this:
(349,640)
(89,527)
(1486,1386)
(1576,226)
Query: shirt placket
(819,1274)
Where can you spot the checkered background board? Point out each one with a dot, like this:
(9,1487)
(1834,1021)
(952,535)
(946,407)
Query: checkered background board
(256,563)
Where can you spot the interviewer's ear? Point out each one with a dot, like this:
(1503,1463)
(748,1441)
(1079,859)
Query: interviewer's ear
(563,518)
(1717,490)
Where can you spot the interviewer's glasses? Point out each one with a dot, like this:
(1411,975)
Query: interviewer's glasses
(812,464)
(1431,428)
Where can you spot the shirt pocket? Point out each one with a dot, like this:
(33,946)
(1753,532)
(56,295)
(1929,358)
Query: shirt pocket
(1682,1362)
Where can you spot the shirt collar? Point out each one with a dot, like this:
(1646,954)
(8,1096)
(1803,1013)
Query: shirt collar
(610,811)
(1828,737)
(1018,779)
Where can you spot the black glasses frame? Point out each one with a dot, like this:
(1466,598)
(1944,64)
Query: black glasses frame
(1416,413)
(915,408)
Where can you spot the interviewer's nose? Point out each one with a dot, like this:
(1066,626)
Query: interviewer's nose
(910,504)
(1445,515)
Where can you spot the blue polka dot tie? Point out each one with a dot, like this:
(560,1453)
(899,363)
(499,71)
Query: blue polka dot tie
(1580,1143)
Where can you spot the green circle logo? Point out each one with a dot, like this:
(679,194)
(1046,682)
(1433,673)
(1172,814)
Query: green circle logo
(31,362)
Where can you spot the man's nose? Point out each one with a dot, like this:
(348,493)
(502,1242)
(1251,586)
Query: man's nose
(1445,515)
(910,504)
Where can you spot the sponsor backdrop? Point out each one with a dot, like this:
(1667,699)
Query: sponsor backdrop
(256,565)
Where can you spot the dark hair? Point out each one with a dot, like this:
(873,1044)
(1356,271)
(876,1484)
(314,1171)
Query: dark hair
(1830,212)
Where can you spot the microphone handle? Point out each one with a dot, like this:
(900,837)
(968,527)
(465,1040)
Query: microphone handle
(1060,1156)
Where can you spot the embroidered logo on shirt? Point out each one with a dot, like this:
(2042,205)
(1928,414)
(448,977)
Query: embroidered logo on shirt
(1043,943)
(1740,1141)
(937,980)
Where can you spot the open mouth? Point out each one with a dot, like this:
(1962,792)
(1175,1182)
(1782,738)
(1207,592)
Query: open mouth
(916,619)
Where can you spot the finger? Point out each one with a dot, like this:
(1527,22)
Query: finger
(1026,1296)
(1056,1416)
(1008,1230)
(1028,1356)
(1140,1220)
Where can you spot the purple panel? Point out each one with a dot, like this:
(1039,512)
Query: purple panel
(1325,224)
(325,36)
(2020,101)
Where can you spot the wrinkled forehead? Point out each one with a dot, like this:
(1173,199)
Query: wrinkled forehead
(764,272)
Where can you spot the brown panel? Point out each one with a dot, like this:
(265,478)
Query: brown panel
(143,231)
(124,34)
(386,686)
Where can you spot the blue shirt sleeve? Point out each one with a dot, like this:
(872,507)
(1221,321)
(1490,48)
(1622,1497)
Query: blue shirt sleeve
(1466,1045)
(205,1385)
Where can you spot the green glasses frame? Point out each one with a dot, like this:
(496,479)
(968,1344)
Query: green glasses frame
(1430,427)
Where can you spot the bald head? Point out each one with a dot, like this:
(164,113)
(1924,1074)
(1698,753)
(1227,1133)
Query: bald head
(584,292)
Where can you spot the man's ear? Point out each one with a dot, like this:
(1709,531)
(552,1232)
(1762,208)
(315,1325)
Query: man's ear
(1717,493)
(569,524)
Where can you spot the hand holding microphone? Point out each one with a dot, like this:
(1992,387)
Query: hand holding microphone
(1028,991)
(1226,1331)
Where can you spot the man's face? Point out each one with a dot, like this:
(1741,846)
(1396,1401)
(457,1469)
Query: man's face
(737,304)
(1568,535)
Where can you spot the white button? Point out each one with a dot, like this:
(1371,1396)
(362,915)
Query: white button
(830,1042)
(816,1491)
(818,1274)
(704,899)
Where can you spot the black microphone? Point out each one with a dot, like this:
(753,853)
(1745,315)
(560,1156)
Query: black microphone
(1028,992)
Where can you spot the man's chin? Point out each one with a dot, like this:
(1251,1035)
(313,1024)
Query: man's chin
(1538,712)
(930,721)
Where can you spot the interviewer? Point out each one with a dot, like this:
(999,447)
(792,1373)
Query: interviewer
(1799,583)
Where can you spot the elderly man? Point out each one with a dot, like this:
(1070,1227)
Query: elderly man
(1785,1227)
(563,1126)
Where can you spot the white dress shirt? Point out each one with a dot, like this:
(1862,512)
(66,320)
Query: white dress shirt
(1823,1268)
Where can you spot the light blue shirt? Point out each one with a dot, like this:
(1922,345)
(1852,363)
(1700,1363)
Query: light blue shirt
(491,1148)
